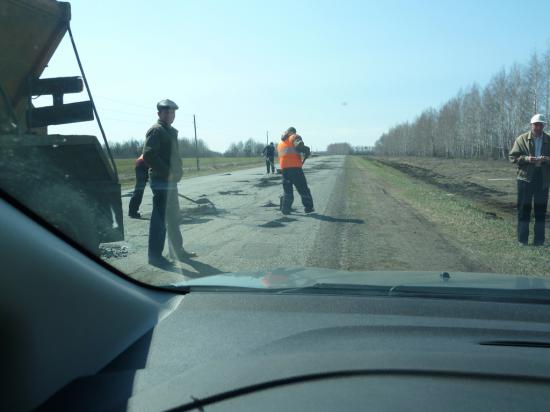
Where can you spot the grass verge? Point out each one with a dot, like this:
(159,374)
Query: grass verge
(472,225)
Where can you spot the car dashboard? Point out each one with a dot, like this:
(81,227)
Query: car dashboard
(257,351)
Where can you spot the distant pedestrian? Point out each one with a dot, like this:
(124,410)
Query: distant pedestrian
(142,175)
(161,153)
(290,151)
(269,153)
(531,153)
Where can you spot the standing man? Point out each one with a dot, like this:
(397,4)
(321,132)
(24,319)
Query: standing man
(161,153)
(531,153)
(142,175)
(290,150)
(269,153)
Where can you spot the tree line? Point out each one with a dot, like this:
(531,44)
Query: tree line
(477,122)
(133,148)
(248,148)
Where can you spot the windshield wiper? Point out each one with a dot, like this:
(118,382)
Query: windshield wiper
(431,292)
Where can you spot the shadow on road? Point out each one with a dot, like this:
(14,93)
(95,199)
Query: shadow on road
(202,269)
(193,221)
(278,222)
(325,218)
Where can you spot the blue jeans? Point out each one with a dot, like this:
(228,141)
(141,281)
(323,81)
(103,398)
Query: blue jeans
(164,218)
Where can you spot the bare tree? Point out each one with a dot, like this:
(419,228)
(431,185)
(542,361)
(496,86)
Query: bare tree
(477,122)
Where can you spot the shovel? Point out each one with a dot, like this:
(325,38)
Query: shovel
(203,201)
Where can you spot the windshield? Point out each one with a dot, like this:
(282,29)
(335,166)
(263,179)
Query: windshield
(239,143)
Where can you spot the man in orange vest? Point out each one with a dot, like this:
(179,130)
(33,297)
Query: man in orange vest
(290,151)
(142,172)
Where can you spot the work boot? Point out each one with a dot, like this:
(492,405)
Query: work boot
(134,215)
(161,262)
(309,210)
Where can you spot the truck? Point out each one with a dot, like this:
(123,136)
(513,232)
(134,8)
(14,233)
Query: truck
(69,182)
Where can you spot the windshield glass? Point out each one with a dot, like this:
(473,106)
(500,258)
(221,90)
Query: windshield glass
(238,143)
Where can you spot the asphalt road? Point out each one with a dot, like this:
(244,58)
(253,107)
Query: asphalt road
(246,231)
(358,225)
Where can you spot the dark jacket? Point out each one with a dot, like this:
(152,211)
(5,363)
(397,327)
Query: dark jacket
(161,152)
(269,151)
(524,146)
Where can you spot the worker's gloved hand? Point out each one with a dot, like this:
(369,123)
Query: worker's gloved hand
(307,151)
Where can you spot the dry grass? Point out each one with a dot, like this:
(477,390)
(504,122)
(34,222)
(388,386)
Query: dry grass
(488,234)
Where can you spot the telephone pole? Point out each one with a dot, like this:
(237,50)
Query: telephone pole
(196,143)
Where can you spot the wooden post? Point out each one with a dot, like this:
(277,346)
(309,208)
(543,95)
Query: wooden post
(196,143)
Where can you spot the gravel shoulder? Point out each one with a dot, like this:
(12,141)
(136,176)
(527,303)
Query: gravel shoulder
(378,230)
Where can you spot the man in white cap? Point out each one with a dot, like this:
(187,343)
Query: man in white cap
(531,153)
(161,153)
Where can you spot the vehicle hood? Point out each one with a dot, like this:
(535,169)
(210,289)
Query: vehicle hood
(284,278)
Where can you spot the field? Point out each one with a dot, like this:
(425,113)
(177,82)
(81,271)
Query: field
(471,202)
(489,182)
(208,165)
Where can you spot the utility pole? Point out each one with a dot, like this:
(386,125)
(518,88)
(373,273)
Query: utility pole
(267,138)
(196,142)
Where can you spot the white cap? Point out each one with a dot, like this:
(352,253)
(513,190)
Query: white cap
(538,118)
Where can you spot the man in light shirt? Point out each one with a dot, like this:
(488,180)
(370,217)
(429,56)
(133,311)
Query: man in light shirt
(531,153)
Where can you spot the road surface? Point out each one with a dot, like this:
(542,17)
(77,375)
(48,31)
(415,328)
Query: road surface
(357,225)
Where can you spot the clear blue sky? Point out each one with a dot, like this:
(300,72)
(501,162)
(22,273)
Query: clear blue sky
(336,70)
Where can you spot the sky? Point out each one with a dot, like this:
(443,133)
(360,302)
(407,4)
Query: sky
(337,70)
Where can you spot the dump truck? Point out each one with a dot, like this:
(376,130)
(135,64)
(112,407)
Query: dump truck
(69,181)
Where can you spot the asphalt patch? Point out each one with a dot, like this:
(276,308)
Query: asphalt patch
(322,166)
(272,224)
(268,181)
(201,210)
(233,193)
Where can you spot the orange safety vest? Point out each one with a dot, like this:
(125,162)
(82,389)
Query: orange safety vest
(288,155)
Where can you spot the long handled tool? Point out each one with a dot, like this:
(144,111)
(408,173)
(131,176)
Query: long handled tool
(203,201)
